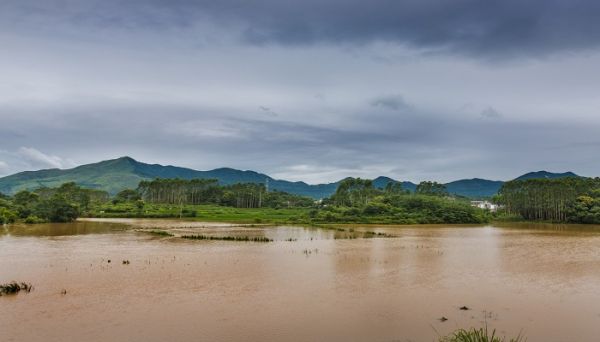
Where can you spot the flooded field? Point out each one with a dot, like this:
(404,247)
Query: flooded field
(350,283)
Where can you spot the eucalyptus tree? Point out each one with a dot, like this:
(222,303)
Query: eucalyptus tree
(559,200)
(354,192)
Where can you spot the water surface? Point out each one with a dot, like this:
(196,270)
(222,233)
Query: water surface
(542,280)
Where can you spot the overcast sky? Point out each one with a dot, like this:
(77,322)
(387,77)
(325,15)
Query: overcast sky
(312,90)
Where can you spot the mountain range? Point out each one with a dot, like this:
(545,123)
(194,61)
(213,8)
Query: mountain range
(125,172)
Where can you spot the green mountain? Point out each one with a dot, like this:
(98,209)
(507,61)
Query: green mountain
(474,188)
(482,188)
(546,175)
(118,174)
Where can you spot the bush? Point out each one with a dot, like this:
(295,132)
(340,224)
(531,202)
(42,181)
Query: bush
(7,216)
(33,220)
(57,209)
(376,208)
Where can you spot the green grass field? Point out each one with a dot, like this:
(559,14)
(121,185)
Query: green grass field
(212,213)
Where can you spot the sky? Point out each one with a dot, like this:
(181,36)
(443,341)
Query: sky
(304,90)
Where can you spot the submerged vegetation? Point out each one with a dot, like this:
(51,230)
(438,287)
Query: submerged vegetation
(157,232)
(14,287)
(228,238)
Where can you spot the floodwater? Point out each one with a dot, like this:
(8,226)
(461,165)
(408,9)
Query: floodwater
(539,280)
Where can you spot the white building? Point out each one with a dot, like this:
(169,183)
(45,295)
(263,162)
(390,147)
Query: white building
(485,205)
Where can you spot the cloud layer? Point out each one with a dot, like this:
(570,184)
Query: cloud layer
(303,90)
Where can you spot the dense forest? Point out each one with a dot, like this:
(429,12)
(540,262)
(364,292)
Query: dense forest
(571,199)
(356,200)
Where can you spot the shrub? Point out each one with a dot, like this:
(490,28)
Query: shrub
(7,216)
(33,220)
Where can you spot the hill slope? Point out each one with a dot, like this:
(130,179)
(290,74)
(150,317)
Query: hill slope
(118,174)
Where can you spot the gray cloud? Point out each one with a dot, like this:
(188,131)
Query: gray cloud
(392,102)
(268,111)
(509,28)
(490,113)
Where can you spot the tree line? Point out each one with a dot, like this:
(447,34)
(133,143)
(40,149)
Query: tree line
(208,191)
(355,200)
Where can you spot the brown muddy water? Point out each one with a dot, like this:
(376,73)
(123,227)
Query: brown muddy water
(540,280)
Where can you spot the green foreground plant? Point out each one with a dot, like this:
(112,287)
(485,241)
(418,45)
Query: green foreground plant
(478,335)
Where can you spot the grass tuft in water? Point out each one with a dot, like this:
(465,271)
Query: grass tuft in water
(478,335)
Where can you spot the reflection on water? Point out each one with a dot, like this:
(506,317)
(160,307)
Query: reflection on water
(543,280)
(551,227)
(62,229)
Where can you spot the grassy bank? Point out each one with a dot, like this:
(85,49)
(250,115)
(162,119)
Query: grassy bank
(454,214)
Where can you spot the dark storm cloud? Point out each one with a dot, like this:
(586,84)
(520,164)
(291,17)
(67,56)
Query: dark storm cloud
(475,27)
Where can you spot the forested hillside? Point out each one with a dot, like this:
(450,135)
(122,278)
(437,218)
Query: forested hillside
(126,173)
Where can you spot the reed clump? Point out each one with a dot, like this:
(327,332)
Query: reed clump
(228,238)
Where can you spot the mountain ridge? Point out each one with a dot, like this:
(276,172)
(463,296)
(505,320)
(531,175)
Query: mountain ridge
(117,174)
